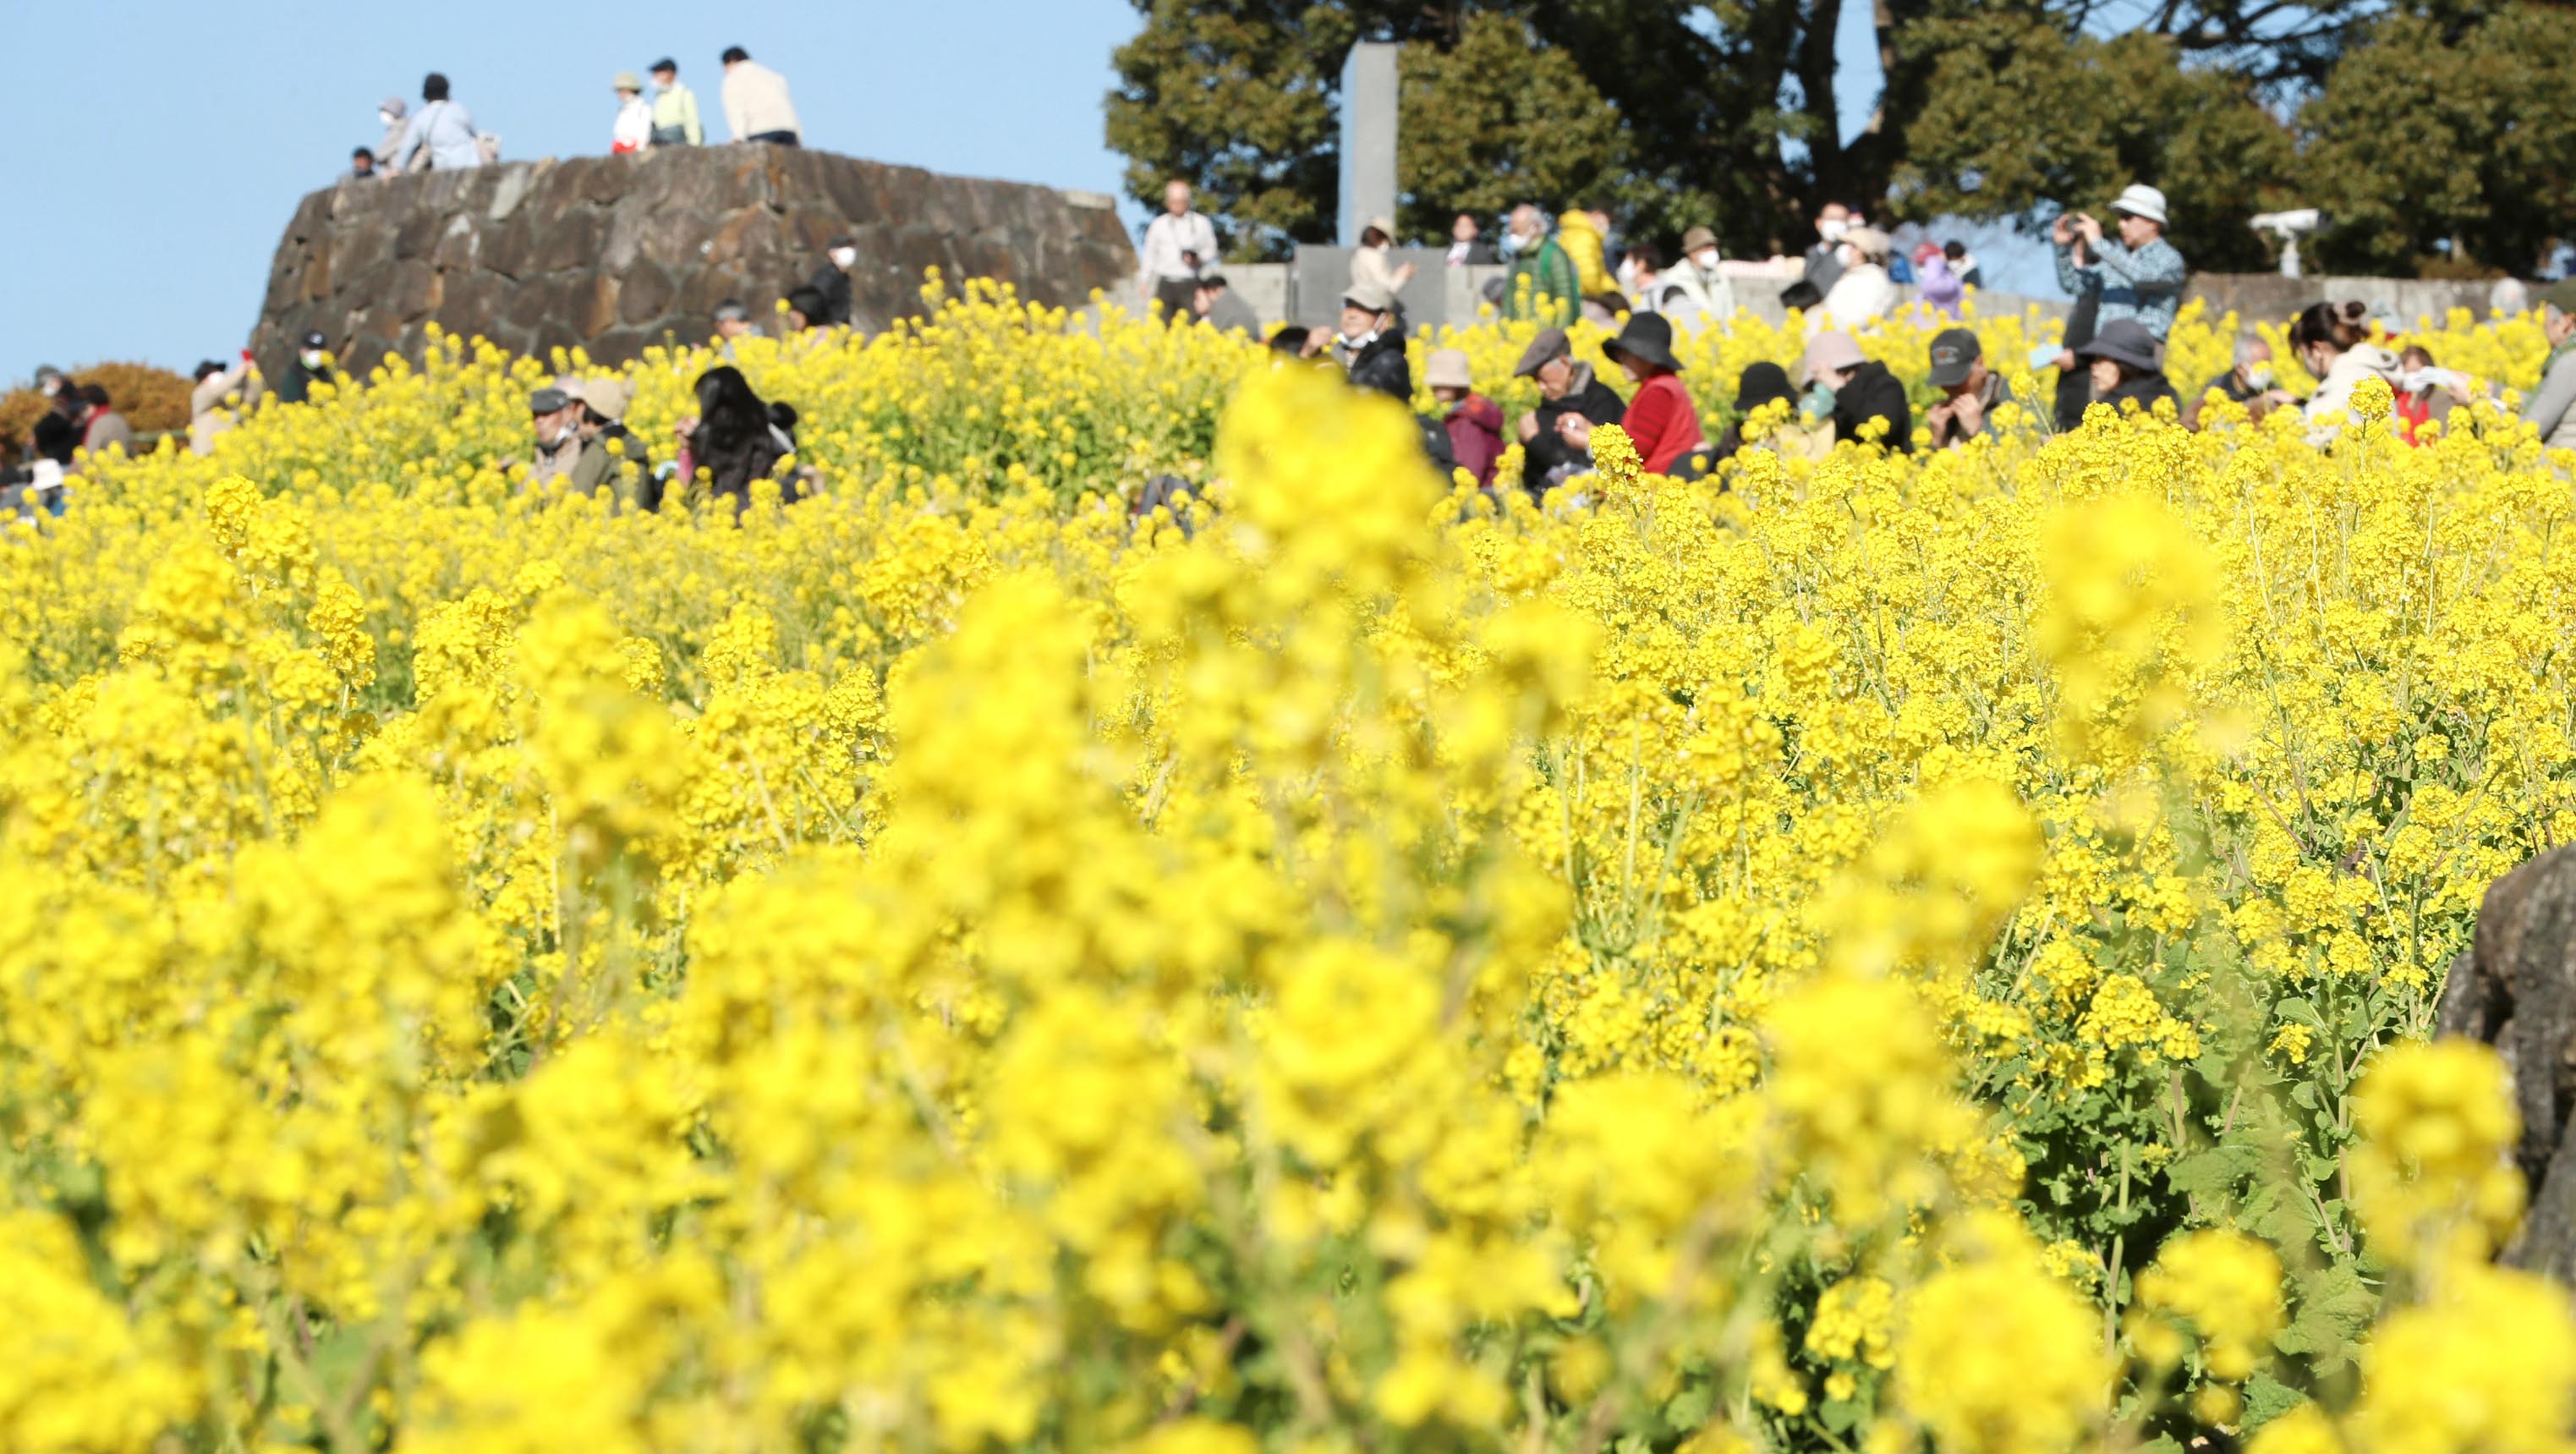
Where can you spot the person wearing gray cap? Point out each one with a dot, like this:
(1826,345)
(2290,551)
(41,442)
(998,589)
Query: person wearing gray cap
(555,413)
(1973,390)
(1565,387)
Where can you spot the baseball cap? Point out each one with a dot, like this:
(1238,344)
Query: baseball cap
(314,339)
(1369,294)
(548,400)
(1953,351)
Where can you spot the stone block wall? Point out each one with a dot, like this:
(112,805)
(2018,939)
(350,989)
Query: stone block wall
(617,253)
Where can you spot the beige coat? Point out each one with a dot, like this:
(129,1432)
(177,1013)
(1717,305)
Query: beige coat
(755,101)
(2334,395)
(207,416)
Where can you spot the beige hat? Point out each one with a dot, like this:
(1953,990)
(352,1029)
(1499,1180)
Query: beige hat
(1871,242)
(1381,224)
(608,396)
(1370,295)
(626,81)
(1830,352)
(1448,370)
(1697,238)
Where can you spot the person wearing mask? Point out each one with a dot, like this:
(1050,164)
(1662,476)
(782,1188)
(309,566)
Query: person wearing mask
(219,395)
(1581,235)
(57,431)
(611,455)
(633,129)
(675,108)
(1963,264)
(1862,292)
(1180,243)
(392,116)
(1825,260)
(312,366)
(1660,418)
(1372,348)
(1565,387)
(1466,249)
(756,103)
(440,136)
(1474,422)
(2332,342)
(732,440)
(2135,275)
(554,412)
(1694,292)
(1221,308)
(2426,394)
(1971,391)
(832,281)
(2247,382)
(1373,261)
(2552,407)
(1935,284)
(1543,283)
(1861,392)
(2127,368)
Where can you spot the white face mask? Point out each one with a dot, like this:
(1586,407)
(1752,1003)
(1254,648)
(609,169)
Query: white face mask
(1848,255)
(386,117)
(842,257)
(312,358)
(1832,229)
(1705,259)
(2259,376)
(2413,381)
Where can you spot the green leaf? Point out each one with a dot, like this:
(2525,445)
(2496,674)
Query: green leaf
(2211,1175)
(2266,1399)
(2334,1307)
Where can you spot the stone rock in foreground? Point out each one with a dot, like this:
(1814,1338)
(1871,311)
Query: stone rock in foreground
(617,253)
(2516,989)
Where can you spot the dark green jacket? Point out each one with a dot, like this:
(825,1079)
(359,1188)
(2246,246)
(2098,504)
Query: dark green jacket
(1555,293)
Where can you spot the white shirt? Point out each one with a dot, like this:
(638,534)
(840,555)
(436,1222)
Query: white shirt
(1863,294)
(634,127)
(1166,238)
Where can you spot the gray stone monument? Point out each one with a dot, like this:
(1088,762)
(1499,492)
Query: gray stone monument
(1368,137)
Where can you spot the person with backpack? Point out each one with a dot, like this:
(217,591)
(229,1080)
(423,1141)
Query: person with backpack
(443,130)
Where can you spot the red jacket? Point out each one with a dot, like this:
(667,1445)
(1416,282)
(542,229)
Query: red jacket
(1663,423)
(1476,436)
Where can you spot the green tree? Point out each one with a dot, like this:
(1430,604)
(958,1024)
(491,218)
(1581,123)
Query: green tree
(2024,119)
(2451,128)
(1496,119)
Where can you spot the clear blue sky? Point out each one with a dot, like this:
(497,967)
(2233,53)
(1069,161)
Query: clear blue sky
(163,146)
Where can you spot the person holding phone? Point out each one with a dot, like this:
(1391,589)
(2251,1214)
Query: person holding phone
(2135,275)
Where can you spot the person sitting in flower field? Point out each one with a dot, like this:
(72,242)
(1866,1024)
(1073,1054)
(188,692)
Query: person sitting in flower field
(2248,383)
(1565,387)
(1660,418)
(2126,368)
(733,440)
(1474,422)
(2426,393)
(2332,341)
(554,412)
(1868,401)
(1972,391)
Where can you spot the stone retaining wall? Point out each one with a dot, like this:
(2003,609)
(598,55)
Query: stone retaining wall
(619,253)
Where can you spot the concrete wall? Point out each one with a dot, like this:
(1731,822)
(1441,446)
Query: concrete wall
(2269,297)
(617,253)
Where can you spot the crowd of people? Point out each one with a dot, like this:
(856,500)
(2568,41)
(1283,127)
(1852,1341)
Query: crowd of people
(441,134)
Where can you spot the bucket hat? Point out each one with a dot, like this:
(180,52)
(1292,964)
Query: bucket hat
(1372,296)
(626,81)
(1447,369)
(2123,341)
(2140,200)
(1648,339)
(1830,353)
(1697,238)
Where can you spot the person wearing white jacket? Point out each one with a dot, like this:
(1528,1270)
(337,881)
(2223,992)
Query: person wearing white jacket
(2332,342)
(756,104)
(633,130)
(1864,293)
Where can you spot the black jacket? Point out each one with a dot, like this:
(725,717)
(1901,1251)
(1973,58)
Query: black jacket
(1380,365)
(299,381)
(2145,388)
(1874,393)
(1596,401)
(834,285)
(2075,385)
(56,436)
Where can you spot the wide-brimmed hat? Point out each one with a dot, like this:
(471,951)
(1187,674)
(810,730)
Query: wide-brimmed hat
(607,396)
(1954,352)
(1382,224)
(1830,353)
(1648,339)
(1697,238)
(2124,341)
(1448,369)
(1550,345)
(1870,241)
(2140,200)
(626,81)
(1370,294)
(1763,382)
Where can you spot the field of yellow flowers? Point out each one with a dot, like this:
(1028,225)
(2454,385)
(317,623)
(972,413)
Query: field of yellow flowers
(1865,955)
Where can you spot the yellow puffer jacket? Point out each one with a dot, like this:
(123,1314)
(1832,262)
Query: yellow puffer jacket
(1582,242)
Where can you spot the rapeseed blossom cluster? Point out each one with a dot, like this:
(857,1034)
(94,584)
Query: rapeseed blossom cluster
(1871,952)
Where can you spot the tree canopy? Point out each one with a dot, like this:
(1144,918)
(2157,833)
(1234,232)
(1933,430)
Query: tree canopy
(2424,128)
